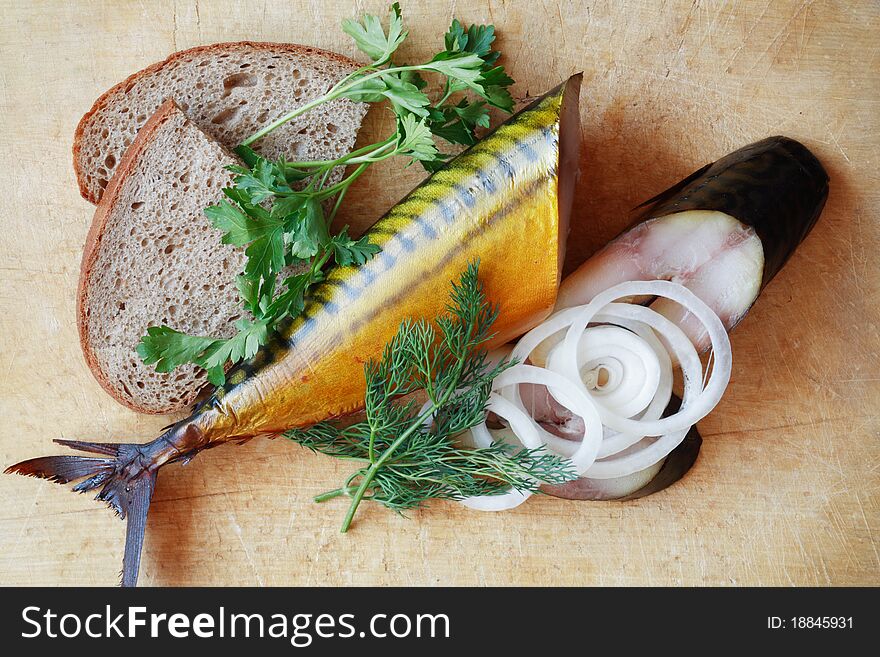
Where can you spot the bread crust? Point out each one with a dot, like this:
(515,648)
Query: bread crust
(127,163)
(93,244)
(104,99)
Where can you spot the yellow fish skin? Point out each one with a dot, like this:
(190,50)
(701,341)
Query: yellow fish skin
(499,202)
(505,201)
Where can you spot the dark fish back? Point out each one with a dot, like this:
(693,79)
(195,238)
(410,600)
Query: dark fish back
(776,185)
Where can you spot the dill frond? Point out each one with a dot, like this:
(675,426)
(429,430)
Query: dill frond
(410,456)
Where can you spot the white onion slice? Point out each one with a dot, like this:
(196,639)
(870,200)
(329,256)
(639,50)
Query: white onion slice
(631,366)
(615,441)
(689,361)
(530,342)
(610,363)
(581,453)
(670,437)
(522,426)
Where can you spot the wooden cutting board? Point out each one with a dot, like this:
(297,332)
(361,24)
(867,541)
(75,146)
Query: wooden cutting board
(786,488)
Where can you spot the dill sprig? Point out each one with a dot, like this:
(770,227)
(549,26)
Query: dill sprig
(409,453)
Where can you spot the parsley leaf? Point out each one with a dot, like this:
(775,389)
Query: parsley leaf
(260,182)
(292,300)
(405,96)
(243,345)
(462,68)
(499,97)
(415,138)
(236,227)
(371,90)
(350,252)
(456,37)
(275,209)
(371,39)
(479,41)
(168,348)
(309,232)
(266,254)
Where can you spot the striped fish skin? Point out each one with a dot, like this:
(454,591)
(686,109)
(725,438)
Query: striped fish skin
(504,201)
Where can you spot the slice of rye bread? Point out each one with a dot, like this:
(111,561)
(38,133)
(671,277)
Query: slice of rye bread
(230,90)
(152,257)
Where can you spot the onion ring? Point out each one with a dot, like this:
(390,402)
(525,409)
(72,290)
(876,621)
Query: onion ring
(610,363)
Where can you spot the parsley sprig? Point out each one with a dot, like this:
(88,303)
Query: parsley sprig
(410,454)
(276,208)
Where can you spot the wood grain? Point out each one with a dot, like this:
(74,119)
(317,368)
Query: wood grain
(786,489)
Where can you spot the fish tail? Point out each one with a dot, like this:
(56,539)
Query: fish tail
(126,476)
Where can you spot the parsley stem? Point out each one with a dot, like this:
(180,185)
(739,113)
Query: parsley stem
(333,94)
(324,176)
(336,204)
(319,263)
(370,152)
(345,159)
(342,185)
(448,92)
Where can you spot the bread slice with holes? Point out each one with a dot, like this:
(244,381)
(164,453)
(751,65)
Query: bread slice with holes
(152,257)
(229,90)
